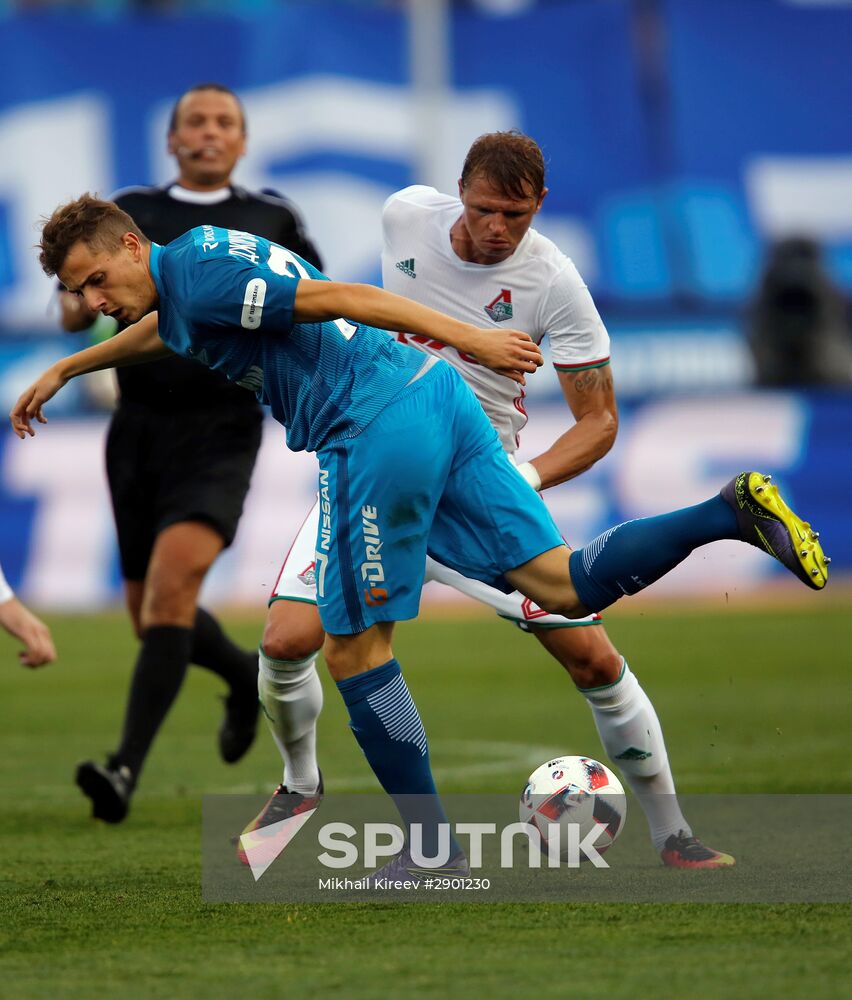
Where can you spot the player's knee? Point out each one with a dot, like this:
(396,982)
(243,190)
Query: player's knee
(347,655)
(171,594)
(590,658)
(595,669)
(293,631)
(279,644)
(171,606)
(343,659)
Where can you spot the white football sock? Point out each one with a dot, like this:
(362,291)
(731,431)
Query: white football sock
(633,738)
(291,698)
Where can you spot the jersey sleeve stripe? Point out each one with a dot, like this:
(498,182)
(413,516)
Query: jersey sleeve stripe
(581,365)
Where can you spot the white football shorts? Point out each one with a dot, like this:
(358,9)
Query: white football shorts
(297,582)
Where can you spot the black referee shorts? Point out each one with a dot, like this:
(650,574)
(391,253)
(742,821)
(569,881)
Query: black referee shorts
(164,468)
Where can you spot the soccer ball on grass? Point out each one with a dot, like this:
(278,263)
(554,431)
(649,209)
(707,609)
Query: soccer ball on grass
(576,792)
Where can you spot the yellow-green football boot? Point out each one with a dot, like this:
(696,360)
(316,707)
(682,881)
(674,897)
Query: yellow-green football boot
(766,522)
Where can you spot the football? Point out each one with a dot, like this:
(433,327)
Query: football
(579,793)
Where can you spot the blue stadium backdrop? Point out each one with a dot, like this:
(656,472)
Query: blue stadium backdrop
(668,168)
(674,156)
(57,532)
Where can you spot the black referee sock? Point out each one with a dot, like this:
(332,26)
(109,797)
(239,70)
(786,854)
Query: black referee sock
(212,649)
(159,672)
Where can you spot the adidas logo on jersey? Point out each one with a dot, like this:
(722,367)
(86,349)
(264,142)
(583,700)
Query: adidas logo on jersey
(407,267)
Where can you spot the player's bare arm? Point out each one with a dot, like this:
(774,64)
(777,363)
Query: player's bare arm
(135,345)
(509,352)
(591,396)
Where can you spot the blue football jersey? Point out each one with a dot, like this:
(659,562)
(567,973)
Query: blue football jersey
(226,300)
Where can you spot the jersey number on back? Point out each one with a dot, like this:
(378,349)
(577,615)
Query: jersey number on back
(280,258)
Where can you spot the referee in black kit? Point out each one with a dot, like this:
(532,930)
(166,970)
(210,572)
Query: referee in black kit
(180,452)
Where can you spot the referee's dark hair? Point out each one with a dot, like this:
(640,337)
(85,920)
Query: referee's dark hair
(99,224)
(220,88)
(508,160)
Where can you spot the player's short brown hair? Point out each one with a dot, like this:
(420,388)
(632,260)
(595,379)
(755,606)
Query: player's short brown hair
(509,160)
(98,224)
(219,88)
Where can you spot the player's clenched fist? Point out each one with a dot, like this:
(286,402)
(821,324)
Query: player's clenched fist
(509,352)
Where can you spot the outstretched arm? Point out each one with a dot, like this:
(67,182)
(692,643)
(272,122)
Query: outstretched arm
(509,352)
(132,346)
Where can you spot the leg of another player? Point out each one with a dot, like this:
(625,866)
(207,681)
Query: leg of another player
(290,690)
(212,649)
(630,732)
(631,556)
(290,694)
(623,560)
(387,726)
(180,559)
(163,610)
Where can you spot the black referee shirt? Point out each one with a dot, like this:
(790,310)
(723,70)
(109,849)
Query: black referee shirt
(177,384)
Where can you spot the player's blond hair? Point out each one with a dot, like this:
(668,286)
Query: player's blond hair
(511,161)
(99,224)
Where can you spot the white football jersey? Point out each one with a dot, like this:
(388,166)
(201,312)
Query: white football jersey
(537,290)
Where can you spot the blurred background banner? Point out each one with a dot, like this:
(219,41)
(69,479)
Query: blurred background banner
(680,134)
(684,139)
(58,536)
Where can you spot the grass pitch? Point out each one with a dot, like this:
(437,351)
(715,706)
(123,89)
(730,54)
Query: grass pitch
(749,701)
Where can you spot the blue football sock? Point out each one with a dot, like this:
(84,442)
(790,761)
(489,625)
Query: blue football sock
(631,556)
(387,725)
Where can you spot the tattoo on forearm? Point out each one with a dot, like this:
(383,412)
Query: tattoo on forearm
(594,379)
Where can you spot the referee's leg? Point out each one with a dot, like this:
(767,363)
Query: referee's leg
(181,557)
(165,622)
(174,631)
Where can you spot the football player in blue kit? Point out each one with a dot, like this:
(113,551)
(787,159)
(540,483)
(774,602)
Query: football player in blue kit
(409,463)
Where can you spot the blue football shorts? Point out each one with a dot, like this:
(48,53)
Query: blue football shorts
(426,476)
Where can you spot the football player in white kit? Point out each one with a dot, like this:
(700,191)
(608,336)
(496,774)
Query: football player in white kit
(477,258)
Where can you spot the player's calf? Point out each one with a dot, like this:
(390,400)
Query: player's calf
(290,695)
(585,652)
